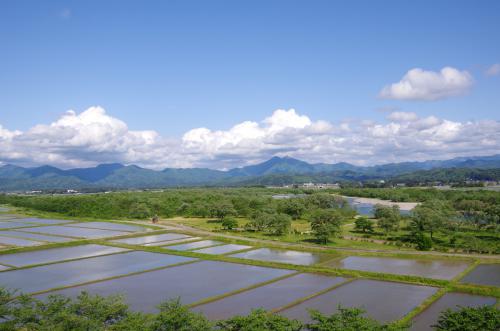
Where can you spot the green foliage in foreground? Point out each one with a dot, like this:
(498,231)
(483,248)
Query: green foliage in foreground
(348,319)
(93,312)
(485,318)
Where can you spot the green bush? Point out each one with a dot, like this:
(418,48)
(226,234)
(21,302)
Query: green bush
(423,242)
(485,318)
(229,223)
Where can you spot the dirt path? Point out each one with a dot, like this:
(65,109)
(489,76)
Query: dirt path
(181,227)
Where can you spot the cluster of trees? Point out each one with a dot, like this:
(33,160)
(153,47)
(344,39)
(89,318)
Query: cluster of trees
(467,220)
(270,222)
(89,312)
(388,220)
(274,216)
(324,211)
(213,203)
(208,202)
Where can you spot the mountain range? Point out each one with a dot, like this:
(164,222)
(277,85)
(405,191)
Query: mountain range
(275,171)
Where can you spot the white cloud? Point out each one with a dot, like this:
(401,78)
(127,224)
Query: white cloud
(493,70)
(401,116)
(92,137)
(419,84)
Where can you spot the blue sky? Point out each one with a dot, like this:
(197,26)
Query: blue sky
(172,66)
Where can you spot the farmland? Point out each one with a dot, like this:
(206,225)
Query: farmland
(220,271)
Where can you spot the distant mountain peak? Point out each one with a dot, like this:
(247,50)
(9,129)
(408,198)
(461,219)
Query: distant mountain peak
(274,170)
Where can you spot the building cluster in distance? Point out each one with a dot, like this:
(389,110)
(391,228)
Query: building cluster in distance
(310,185)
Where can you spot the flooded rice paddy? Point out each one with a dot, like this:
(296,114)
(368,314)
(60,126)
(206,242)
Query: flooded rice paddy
(6,217)
(284,256)
(440,269)
(14,224)
(9,241)
(484,274)
(147,279)
(43,221)
(383,301)
(110,226)
(57,254)
(271,296)
(152,238)
(224,249)
(429,316)
(51,276)
(61,230)
(172,242)
(33,236)
(194,245)
(190,282)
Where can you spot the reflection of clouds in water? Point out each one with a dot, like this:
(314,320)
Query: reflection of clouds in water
(440,269)
(283,256)
(75,272)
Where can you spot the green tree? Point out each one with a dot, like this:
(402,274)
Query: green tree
(363,224)
(280,224)
(325,223)
(258,222)
(294,207)
(423,242)
(221,209)
(325,201)
(173,316)
(260,320)
(484,318)
(86,312)
(430,216)
(140,210)
(229,223)
(388,218)
(346,319)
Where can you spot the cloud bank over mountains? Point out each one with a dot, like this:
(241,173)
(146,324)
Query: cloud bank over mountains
(92,137)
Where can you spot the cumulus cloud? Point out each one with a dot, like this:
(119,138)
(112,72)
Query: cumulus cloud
(493,70)
(84,139)
(401,116)
(92,137)
(420,84)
